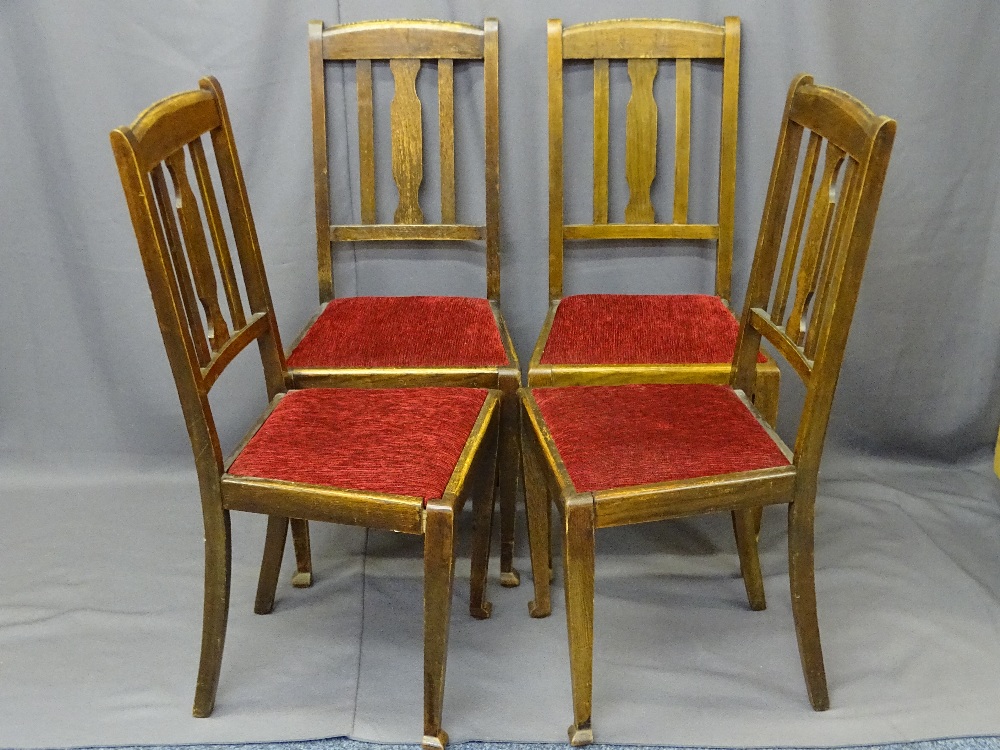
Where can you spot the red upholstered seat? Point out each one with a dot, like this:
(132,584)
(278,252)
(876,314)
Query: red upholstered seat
(640,329)
(620,436)
(401,441)
(402,332)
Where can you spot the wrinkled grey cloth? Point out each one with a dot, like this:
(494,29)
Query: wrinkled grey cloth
(100,539)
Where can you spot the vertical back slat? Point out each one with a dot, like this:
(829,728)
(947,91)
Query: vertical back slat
(446,128)
(808,176)
(218,233)
(193,232)
(816,237)
(682,141)
(555,72)
(180,265)
(820,307)
(640,141)
(491,92)
(321,160)
(602,93)
(366,141)
(727,158)
(258,293)
(407,141)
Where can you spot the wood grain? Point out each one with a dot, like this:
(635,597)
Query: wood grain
(640,141)
(602,97)
(405,113)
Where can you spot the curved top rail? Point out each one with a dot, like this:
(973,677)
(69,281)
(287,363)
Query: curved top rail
(837,116)
(171,123)
(657,38)
(404,38)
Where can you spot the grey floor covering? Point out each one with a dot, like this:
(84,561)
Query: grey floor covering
(100,618)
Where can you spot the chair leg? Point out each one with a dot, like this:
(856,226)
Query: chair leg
(439,570)
(303,577)
(483,505)
(508,468)
(578,569)
(802,578)
(745,526)
(539,530)
(270,565)
(766,401)
(218,567)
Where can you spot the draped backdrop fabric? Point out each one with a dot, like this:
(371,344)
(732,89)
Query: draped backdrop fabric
(99,540)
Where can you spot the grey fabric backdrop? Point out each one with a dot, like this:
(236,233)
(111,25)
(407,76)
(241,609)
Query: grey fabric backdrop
(86,396)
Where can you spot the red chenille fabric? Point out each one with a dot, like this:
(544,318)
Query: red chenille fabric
(401,441)
(642,329)
(620,436)
(402,332)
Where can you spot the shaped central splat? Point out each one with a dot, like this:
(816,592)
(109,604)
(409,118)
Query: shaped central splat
(407,141)
(640,141)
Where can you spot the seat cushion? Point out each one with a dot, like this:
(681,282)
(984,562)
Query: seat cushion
(402,332)
(620,436)
(641,329)
(401,441)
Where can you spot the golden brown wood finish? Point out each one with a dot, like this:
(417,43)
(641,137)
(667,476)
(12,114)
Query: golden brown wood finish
(602,95)
(321,167)
(366,141)
(727,161)
(682,141)
(640,142)
(555,73)
(643,42)
(407,141)
(170,232)
(863,141)
(405,45)
(446,120)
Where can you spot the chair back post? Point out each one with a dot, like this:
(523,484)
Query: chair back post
(321,163)
(175,255)
(491,90)
(826,243)
(555,65)
(727,159)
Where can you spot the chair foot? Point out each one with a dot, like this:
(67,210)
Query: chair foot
(481,612)
(202,712)
(820,702)
(435,742)
(510,578)
(539,611)
(580,735)
(302,579)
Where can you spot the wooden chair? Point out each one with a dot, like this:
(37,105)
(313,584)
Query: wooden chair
(399,459)
(591,339)
(411,341)
(615,455)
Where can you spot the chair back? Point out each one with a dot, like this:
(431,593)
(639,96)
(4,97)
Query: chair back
(203,331)
(832,180)
(406,47)
(644,43)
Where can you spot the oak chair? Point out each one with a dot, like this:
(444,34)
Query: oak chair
(398,459)
(616,455)
(410,341)
(590,339)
